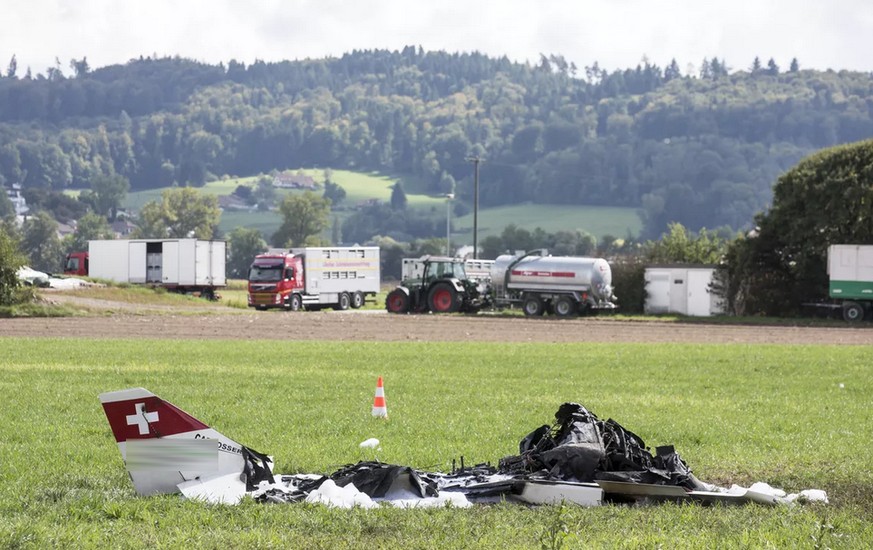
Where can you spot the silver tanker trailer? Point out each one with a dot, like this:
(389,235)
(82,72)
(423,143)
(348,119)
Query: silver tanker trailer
(562,285)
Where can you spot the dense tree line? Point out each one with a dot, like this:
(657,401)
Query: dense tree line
(702,149)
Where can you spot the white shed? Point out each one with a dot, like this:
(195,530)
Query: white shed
(682,289)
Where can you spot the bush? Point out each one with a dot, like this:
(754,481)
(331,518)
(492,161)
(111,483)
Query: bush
(11,260)
(628,283)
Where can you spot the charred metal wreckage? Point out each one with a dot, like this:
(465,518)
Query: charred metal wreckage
(579,459)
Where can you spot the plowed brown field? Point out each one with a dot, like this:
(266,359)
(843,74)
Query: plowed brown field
(366,325)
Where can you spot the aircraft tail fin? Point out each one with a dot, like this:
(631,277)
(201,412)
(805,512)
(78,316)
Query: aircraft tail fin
(163,446)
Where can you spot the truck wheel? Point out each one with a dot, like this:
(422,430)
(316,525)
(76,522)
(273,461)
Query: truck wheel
(357,299)
(565,307)
(345,302)
(533,306)
(853,312)
(295,303)
(397,301)
(443,298)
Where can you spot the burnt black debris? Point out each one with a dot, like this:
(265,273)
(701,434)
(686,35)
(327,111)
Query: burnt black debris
(579,447)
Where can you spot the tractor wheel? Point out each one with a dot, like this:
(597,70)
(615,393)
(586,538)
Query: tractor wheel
(533,306)
(295,302)
(357,300)
(397,301)
(345,302)
(853,312)
(443,298)
(565,307)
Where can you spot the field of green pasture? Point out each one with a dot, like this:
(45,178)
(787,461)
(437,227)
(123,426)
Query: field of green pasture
(794,416)
(596,220)
(359,186)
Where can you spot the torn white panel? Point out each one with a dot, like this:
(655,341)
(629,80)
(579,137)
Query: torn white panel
(766,489)
(550,492)
(221,489)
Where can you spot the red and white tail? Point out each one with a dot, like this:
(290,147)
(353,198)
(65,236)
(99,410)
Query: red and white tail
(166,449)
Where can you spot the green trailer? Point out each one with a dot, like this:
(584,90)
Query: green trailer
(850,270)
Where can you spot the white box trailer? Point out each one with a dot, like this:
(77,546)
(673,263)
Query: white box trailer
(184,265)
(681,289)
(331,272)
(850,274)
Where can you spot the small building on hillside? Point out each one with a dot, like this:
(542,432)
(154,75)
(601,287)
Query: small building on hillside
(233,202)
(287,180)
(18,201)
(122,228)
(682,289)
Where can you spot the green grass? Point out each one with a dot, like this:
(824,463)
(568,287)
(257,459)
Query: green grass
(737,413)
(597,220)
(361,186)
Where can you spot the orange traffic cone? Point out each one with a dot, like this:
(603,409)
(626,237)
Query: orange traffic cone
(380,410)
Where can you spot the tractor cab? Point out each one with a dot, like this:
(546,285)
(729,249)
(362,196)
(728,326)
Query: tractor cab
(435,283)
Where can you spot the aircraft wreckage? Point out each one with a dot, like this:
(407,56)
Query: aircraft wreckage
(579,459)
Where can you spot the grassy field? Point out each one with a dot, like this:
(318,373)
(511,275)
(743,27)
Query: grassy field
(599,221)
(736,413)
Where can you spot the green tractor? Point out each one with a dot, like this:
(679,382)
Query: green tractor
(437,284)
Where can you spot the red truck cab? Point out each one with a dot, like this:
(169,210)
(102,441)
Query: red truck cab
(76,264)
(276,280)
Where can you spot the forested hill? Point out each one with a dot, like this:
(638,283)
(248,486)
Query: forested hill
(702,149)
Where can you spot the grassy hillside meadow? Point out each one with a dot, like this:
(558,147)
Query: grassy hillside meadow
(794,416)
(599,221)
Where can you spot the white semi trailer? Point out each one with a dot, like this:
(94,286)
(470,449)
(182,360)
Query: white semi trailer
(180,265)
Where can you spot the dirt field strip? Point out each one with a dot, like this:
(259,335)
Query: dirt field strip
(378,326)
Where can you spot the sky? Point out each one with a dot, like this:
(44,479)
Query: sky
(836,34)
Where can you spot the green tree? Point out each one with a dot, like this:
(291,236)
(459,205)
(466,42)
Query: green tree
(91,226)
(333,192)
(264,193)
(679,245)
(756,66)
(41,243)
(7,209)
(398,196)
(106,194)
(244,243)
(182,212)
(12,68)
(825,199)
(304,218)
(11,260)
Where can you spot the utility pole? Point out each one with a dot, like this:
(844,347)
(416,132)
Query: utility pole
(449,197)
(475,160)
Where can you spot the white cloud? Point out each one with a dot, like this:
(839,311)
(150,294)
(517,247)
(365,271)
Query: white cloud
(616,33)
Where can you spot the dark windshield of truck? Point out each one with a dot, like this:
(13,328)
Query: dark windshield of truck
(72,264)
(265,273)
